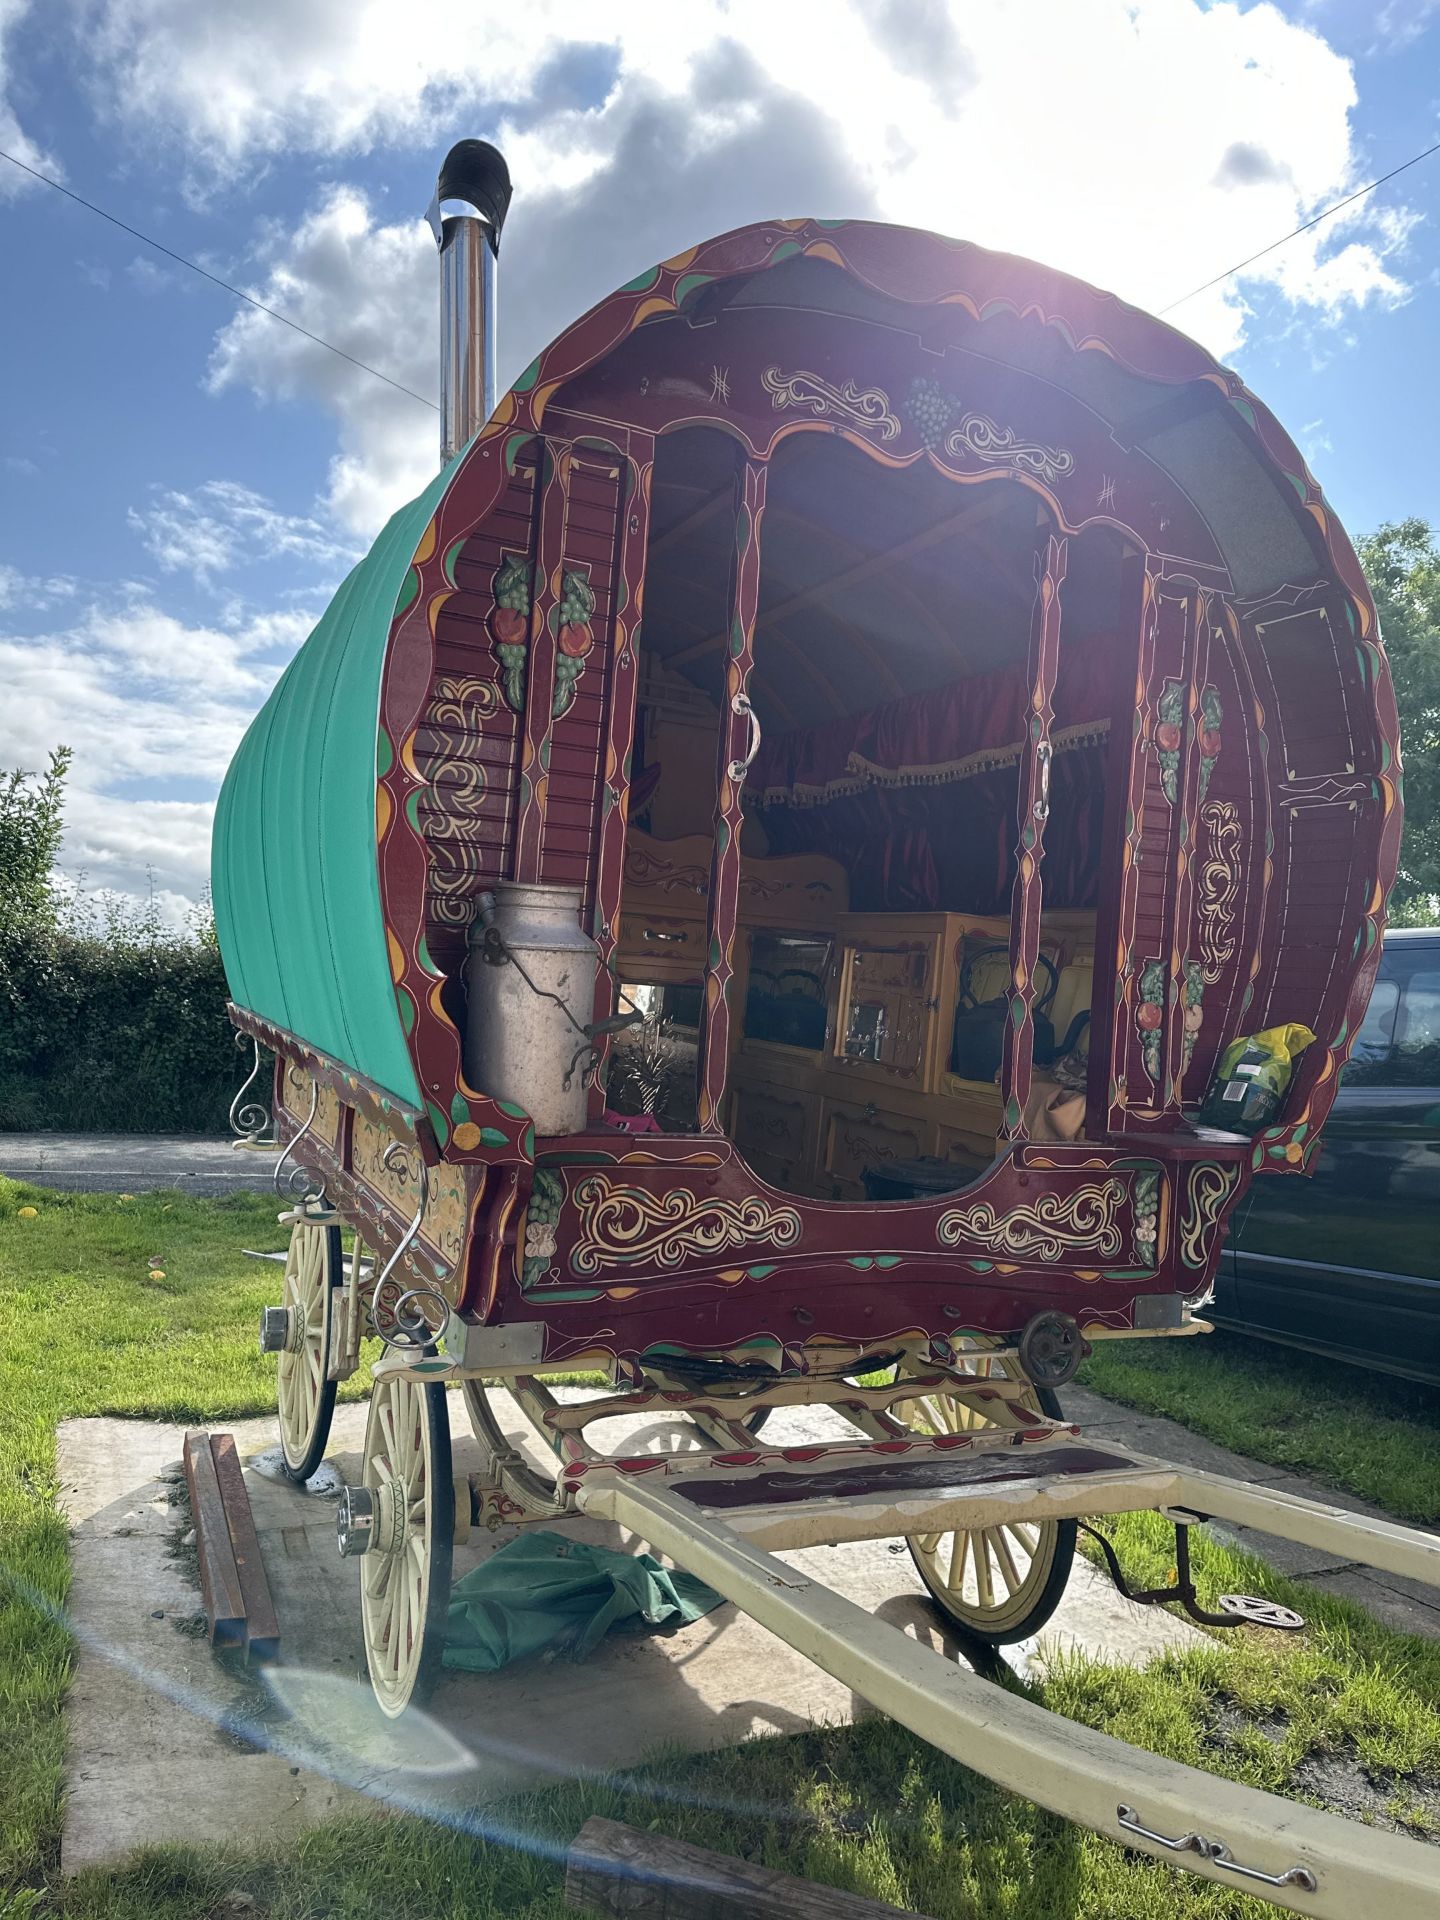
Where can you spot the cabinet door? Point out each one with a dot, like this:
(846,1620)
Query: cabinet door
(855,1136)
(774,1128)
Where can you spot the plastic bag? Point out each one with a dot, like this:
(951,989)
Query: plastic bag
(1251,1078)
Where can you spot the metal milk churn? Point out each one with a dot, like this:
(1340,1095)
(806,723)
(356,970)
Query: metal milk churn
(529,962)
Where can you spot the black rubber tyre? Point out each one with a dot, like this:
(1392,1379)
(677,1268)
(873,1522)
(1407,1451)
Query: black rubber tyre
(304,1436)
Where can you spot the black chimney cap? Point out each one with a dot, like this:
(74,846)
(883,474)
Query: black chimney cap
(476,172)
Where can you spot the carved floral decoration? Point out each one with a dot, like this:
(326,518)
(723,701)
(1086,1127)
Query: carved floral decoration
(542,1220)
(510,626)
(1146,1203)
(574,640)
(1150,1015)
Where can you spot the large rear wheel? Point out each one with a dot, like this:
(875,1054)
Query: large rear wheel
(405,1570)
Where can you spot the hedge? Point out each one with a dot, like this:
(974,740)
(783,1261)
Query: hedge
(99,1035)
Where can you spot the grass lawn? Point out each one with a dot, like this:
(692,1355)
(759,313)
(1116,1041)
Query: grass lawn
(1369,1433)
(1345,1713)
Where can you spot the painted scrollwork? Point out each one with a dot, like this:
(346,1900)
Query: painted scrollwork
(630,1226)
(457,781)
(930,410)
(867,407)
(1084,1220)
(1219,885)
(1209,1188)
(997,446)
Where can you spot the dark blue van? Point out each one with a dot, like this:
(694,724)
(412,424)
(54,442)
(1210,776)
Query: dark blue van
(1347,1263)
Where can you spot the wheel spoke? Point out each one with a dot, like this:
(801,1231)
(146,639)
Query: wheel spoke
(959,1554)
(984,1590)
(1005,1560)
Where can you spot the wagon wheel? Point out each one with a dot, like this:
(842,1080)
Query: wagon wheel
(1000,1583)
(405,1570)
(305,1397)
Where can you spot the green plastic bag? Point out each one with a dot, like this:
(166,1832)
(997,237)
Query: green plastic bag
(543,1590)
(1251,1077)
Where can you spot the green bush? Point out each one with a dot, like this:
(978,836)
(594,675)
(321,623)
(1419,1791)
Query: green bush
(113,1035)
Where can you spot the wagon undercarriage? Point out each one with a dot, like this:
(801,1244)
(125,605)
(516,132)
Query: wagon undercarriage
(959,1459)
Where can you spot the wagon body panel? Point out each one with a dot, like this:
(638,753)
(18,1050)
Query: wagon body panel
(1243,872)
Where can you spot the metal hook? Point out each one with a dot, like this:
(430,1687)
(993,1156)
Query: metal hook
(407,1336)
(248,1119)
(299,1182)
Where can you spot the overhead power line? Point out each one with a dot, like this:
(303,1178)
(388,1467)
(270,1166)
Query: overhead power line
(1359,194)
(215,280)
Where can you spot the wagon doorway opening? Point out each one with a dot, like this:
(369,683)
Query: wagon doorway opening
(831,993)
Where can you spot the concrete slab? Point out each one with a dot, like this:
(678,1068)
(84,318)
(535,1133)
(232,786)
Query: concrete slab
(135,1162)
(153,1715)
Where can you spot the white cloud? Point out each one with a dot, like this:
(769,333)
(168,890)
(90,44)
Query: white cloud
(1092,159)
(13,136)
(363,287)
(223,525)
(146,702)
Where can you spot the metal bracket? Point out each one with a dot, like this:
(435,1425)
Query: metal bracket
(1238,1609)
(1215,1851)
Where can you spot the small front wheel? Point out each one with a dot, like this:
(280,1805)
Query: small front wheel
(409,1503)
(1002,1583)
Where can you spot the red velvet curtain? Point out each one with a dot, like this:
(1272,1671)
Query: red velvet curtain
(916,799)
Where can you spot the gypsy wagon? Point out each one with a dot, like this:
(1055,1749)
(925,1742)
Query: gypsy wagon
(746,888)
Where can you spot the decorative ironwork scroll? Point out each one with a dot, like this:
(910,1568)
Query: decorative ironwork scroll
(628,1226)
(1084,1220)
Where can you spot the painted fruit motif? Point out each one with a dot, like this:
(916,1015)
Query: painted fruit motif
(510,626)
(1149,1016)
(1168,737)
(574,637)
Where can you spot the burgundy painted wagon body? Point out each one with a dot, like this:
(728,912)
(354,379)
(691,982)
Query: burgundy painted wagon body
(748,886)
(971,472)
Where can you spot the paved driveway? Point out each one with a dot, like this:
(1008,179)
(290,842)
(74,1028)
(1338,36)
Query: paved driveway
(133,1162)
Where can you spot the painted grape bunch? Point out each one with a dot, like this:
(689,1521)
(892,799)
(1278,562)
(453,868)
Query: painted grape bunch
(542,1219)
(930,411)
(574,640)
(1146,1202)
(510,626)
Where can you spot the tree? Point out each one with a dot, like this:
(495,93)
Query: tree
(1402,564)
(31,826)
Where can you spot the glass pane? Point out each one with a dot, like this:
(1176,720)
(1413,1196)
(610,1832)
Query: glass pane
(785,995)
(1370,1060)
(652,1065)
(1417,1032)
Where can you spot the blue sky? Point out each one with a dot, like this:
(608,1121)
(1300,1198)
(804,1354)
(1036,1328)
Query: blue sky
(183,481)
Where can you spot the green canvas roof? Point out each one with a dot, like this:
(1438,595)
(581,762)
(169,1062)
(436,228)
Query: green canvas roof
(294,871)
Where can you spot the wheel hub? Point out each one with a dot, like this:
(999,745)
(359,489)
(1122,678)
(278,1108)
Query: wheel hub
(279,1330)
(370,1520)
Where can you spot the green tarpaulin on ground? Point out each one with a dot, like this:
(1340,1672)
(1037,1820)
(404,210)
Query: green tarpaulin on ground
(545,1591)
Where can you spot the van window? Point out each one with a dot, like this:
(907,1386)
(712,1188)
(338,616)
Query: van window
(1417,1031)
(1370,1060)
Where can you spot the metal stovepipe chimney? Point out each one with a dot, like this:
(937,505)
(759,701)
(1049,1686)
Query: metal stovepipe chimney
(472,196)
